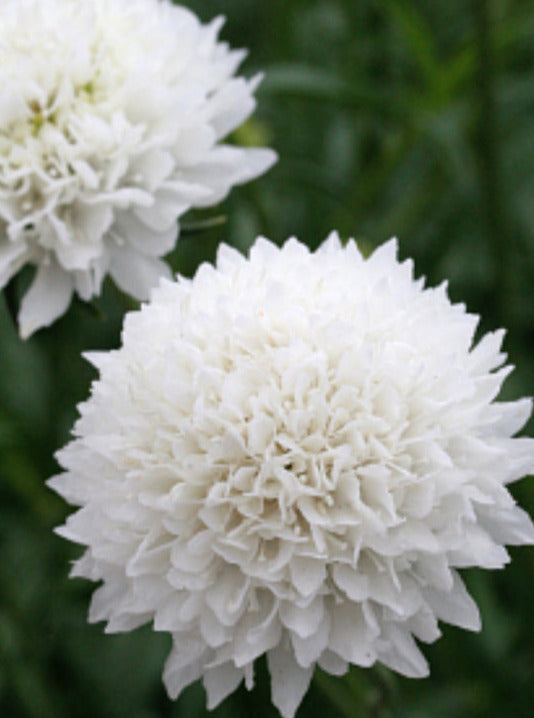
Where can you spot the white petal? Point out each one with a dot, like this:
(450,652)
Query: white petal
(307,574)
(289,681)
(258,631)
(46,300)
(230,106)
(136,273)
(152,168)
(509,417)
(303,621)
(91,222)
(184,665)
(256,161)
(250,644)
(308,650)
(513,526)
(455,606)
(385,255)
(332,244)
(478,549)
(424,626)
(486,355)
(355,583)
(333,664)
(162,216)
(168,616)
(261,428)
(193,144)
(240,166)
(85,285)
(143,238)
(104,600)
(399,651)
(434,571)
(126,622)
(263,251)
(97,358)
(213,631)
(227,597)
(220,681)
(351,638)
(12,256)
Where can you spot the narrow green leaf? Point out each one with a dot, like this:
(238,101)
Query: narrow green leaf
(315,84)
(419,37)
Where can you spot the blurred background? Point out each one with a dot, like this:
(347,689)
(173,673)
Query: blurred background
(391,117)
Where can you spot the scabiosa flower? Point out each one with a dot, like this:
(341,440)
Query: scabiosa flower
(111,116)
(291,455)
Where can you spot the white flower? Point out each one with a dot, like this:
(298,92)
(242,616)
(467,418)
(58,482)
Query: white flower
(291,455)
(111,115)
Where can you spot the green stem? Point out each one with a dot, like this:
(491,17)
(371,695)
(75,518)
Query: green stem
(384,686)
(338,695)
(10,293)
(488,153)
(196,227)
(362,693)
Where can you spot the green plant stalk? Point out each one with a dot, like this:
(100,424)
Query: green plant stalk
(362,693)
(189,229)
(10,293)
(488,140)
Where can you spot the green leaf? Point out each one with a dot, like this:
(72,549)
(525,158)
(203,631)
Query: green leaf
(306,82)
(419,36)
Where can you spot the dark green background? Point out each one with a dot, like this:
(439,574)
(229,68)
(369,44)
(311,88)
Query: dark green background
(406,117)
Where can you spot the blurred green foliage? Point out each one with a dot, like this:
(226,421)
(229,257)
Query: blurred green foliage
(406,117)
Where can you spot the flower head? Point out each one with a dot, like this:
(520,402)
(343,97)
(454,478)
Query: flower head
(111,116)
(291,455)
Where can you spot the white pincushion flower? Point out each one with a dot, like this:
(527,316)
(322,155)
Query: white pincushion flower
(111,115)
(292,454)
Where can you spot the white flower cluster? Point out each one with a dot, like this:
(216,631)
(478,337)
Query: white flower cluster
(111,116)
(291,455)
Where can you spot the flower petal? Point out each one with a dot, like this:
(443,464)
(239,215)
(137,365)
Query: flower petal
(184,665)
(455,606)
(220,681)
(136,273)
(289,681)
(47,299)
